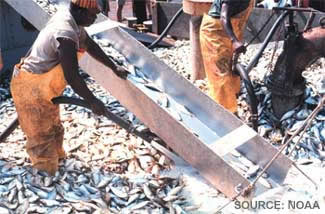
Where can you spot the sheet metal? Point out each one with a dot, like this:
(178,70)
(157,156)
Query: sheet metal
(175,134)
(194,135)
(31,11)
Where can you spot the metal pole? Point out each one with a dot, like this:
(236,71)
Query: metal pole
(196,54)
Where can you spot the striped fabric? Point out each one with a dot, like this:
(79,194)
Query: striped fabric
(85,3)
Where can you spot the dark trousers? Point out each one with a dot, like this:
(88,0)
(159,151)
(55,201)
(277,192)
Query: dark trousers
(139,10)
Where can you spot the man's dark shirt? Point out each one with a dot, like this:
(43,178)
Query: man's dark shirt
(236,5)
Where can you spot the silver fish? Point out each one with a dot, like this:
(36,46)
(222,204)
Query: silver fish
(288,115)
(48,181)
(163,100)
(148,192)
(100,203)
(322,134)
(6,180)
(12,194)
(302,114)
(170,198)
(33,198)
(37,209)
(175,190)
(119,193)
(4,210)
(175,114)
(81,207)
(39,192)
(137,79)
(62,210)
(104,182)
(139,205)
(183,109)
(252,171)
(24,205)
(50,203)
(153,87)
(265,182)
(133,198)
(21,197)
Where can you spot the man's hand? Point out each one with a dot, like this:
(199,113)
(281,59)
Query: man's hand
(238,47)
(97,106)
(121,72)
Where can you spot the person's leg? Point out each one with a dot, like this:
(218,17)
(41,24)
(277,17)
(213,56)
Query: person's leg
(148,5)
(139,10)
(39,119)
(217,56)
(120,5)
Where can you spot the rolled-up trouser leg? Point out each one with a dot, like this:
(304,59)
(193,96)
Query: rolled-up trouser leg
(216,48)
(217,55)
(38,117)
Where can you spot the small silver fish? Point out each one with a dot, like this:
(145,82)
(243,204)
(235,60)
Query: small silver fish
(175,190)
(252,171)
(139,205)
(288,115)
(147,192)
(119,193)
(302,114)
(104,182)
(265,182)
(4,210)
(170,198)
(133,198)
(175,114)
(153,87)
(50,203)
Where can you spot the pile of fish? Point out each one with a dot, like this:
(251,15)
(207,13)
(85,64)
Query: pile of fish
(92,143)
(312,144)
(4,86)
(78,189)
(50,6)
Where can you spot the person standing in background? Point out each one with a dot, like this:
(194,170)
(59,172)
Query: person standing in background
(120,5)
(104,7)
(221,33)
(269,4)
(148,5)
(139,10)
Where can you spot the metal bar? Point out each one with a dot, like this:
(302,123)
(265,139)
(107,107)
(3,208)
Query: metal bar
(147,136)
(294,9)
(251,94)
(268,38)
(12,126)
(196,54)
